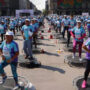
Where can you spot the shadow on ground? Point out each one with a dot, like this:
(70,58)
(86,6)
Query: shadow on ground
(53,69)
(53,54)
(47,45)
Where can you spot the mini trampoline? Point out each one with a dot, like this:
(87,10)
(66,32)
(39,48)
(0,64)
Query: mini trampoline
(23,82)
(77,82)
(75,62)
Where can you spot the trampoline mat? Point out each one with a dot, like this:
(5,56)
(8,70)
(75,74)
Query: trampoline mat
(75,62)
(10,83)
(79,83)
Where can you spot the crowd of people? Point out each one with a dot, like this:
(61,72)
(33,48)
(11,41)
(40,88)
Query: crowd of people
(9,49)
(76,26)
(79,28)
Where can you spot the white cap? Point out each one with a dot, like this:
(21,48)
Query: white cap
(78,21)
(27,20)
(12,19)
(2,21)
(65,15)
(88,21)
(9,33)
(34,19)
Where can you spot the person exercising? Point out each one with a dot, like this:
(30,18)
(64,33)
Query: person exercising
(86,47)
(9,52)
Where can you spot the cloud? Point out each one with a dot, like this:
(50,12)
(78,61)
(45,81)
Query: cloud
(40,4)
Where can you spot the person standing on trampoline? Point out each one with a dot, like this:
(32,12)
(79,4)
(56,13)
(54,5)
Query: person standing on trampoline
(27,34)
(86,47)
(9,52)
(78,33)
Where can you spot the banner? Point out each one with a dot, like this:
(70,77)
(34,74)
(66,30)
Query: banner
(31,12)
(85,14)
(69,3)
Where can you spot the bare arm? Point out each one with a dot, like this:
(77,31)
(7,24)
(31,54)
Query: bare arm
(22,35)
(86,49)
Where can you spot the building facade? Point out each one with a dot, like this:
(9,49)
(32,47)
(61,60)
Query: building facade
(52,5)
(68,6)
(4,4)
(8,7)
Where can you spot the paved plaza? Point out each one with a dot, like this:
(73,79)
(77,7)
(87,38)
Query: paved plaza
(54,74)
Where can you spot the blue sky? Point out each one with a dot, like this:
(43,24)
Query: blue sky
(40,4)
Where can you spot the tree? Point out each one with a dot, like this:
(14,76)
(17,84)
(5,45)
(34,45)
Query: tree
(45,12)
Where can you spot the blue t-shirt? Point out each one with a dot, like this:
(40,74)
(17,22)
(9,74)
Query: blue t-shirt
(72,23)
(2,29)
(58,23)
(19,23)
(9,50)
(65,21)
(36,25)
(32,28)
(78,32)
(15,21)
(12,25)
(26,30)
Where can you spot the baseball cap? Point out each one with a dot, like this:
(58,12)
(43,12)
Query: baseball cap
(27,20)
(88,21)
(78,21)
(9,33)
(2,21)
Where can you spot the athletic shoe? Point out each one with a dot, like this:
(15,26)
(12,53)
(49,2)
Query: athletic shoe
(3,80)
(80,59)
(73,57)
(16,87)
(31,58)
(84,84)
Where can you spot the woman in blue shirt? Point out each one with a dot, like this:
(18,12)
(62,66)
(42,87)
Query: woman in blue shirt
(86,47)
(9,52)
(78,34)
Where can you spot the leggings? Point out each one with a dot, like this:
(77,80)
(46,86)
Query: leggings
(34,40)
(2,37)
(68,38)
(87,70)
(13,65)
(63,32)
(75,43)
